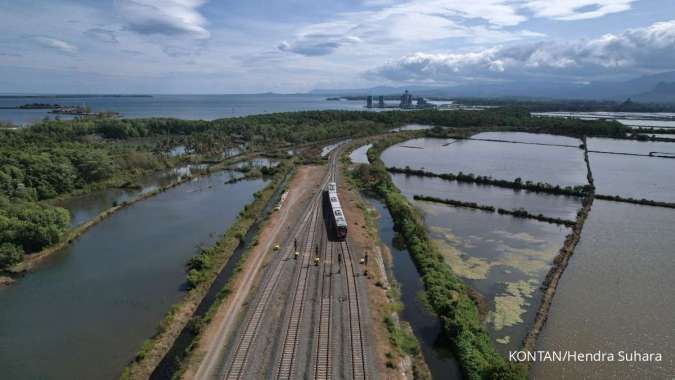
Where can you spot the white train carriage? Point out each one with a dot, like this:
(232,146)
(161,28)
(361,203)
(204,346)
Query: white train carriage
(338,221)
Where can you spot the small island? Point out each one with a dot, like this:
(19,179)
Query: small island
(65,110)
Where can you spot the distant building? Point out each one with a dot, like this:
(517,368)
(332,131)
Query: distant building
(369,101)
(380,102)
(406,100)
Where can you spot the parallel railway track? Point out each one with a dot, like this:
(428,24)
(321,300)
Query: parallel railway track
(322,366)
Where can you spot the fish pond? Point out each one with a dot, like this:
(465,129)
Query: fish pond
(616,295)
(564,207)
(503,258)
(556,165)
(631,146)
(85,207)
(89,308)
(634,177)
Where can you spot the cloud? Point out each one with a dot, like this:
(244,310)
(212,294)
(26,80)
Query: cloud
(416,21)
(409,22)
(633,51)
(165,17)
(317,44)
(56,44)
(577,9)
(103,35)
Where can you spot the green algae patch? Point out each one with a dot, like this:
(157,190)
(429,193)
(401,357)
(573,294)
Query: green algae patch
(512,304)
(469,267)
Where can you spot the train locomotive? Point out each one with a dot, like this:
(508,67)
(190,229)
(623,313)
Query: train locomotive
(337,218)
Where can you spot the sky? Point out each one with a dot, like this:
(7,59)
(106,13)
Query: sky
(286,46)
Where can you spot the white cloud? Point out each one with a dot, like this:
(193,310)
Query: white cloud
(577,9)
(634,51)
(56,44)
(103,35)
(415,21)
(412,21)
(165,17)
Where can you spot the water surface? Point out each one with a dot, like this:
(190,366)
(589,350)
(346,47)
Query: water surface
(360,154)
(556,165)
(616,294)
(85,207)
(192,107)
(634,177)
(537,138)
(504,258)
(630,146)
(87,311)
(426,326)
(550,205)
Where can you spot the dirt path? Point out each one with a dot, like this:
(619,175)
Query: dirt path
(207,357)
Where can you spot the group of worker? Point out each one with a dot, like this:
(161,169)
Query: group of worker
(317,259)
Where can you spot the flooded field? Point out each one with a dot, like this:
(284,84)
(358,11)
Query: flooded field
(634,177)
(88,309)
(505,259)
(630,146)
(556,165)
(616,294)
(550,205)
(426,326)
(360,154)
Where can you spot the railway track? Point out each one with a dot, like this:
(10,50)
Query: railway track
(309,235)
(324,352)
(286,362)
(241,353)
(358,351)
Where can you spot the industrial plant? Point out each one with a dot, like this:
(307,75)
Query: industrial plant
(407,101)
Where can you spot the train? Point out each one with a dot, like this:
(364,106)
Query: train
(338,222)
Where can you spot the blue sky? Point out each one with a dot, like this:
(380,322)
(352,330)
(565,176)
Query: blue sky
(232,46)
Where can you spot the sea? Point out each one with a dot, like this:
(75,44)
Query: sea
(189,107)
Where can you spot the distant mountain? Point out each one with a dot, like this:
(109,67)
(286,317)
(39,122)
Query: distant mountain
(648,88)
(663,92)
